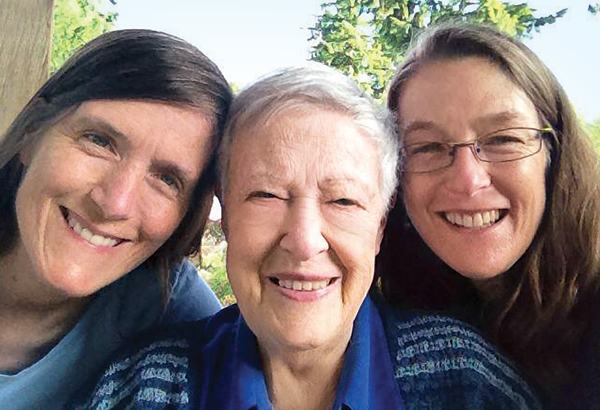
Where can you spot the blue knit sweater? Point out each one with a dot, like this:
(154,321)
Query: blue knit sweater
(438,363)
(443,363)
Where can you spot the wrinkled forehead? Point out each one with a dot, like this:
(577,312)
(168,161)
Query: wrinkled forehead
(325,145)
(303,126)
(261,118)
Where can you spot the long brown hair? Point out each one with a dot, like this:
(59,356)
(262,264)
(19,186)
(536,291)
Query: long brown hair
(123,65)
(535,311)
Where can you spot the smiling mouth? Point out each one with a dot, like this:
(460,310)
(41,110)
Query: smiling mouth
(86,234)
(302,285)
(475,220)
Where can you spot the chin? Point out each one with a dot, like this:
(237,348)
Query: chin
(480,273)
(74,285)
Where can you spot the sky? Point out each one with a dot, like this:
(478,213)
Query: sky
(249,38)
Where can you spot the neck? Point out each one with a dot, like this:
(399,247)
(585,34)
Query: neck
(33,316)
(302,380)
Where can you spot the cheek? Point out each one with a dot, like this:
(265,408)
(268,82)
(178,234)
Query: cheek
(414,196)
(537,187)
(356,253)
(160,222)
(248,245)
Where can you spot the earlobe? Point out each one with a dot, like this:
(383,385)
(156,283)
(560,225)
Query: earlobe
(223,219)
(380,232)
(25,155)
(219,194)
(28,151)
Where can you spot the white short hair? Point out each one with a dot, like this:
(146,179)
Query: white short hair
(317,85)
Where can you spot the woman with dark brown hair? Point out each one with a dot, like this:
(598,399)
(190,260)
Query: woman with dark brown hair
(106,181)
(497,217)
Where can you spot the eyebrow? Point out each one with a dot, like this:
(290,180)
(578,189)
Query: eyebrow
(174,169)
(495,118)
(417,125)
(501,118)
(91,121)
(88,121)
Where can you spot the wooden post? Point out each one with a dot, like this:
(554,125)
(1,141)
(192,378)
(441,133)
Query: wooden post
(25,35)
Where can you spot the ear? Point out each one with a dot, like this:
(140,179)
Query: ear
(219,195)
(383,222)
(26,154)
(380,232)
(218,191)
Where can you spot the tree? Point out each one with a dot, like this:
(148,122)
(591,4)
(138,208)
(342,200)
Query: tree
(367,39)
(75,22)
(211,264)
(593,131)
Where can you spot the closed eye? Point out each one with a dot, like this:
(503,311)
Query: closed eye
(263,195)
(344,202)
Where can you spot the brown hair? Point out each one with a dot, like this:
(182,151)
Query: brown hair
(535,311)
(123,65)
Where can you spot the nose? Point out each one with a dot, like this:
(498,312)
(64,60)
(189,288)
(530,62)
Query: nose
(115,194)
(303,236)
(468,174)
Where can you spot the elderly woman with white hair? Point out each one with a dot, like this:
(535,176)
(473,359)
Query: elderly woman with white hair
(309,168)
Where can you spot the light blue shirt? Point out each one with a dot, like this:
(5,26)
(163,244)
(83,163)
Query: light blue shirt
(131,304)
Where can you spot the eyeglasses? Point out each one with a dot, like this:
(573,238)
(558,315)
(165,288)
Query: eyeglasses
(505,145)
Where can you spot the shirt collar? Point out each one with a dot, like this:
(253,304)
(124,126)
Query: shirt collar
(248,388)
(367,379)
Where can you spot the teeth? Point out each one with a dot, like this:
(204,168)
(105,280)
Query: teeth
(96,240)
(476,220)
(303,285)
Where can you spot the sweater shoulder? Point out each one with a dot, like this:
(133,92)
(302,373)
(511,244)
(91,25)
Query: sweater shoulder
(443,363)
(157,368)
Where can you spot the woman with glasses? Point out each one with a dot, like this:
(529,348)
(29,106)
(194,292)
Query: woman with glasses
(497,218)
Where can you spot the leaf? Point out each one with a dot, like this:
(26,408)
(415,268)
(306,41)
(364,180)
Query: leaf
(75,22)
(376,33)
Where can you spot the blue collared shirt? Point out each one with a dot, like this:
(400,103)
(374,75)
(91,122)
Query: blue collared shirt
(366,382)
(215,364)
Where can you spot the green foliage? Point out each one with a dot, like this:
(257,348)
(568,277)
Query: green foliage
(593,131)
(212,267)
(367,39)
(75,22)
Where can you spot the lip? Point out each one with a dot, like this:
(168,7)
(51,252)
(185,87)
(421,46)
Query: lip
(471,210)
(66,213)
(304,295)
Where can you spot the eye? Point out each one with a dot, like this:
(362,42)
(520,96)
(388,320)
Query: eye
(169,180)
(426,148)
(263,195)
(344,202)
(503,140)
(98,140)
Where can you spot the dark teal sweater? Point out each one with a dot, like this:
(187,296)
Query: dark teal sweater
(438,363)
(443,363)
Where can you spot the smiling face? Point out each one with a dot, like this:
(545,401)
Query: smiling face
(303,212)
(478,217)
(104,188)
